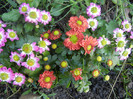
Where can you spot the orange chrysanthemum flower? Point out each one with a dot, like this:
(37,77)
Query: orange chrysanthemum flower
(73,41)
(76,73)
(88,44)
(55,34)
(78,24)
(110,62)
(46,79)
(96,73)
(45,35)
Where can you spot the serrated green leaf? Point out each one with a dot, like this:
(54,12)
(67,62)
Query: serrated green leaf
(11,2)
(59,50)
(27,92)
(56,11)
(28,27)
(34,3)
(11,16)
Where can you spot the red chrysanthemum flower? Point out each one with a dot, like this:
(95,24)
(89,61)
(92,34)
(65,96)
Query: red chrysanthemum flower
(55,34)
(73,41)
(110,62)
(96,73)
(46,79)
(88,44)
(76,73)
(45,35)
(78,24)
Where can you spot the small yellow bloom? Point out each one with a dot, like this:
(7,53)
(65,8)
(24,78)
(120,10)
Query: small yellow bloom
(54,46)
(47,67)
(95,73)
(30,80)
(107,77)
(64,64)
(99,58)
(45,58)
(37,26)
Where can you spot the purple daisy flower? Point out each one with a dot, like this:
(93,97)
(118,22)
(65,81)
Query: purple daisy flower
(43,45)
(11,34)
(120,43)
(15,57)
(45,17)
(24,8)
(102,42)
(126,26)
(92,23)
(125,53)
(19,79)
(118,33)
(2,24)
(33,15)
(93,10)
(131,36)
(6,74)
(28,48)
(2,37)
(31,63)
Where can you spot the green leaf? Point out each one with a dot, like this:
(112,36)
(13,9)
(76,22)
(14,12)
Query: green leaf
(18,28)
(34,3)
(27,92)
(102,2)
(11,2)
(28,27)
(11,16)
(21,1)
(87,2)
(111,26)
(59,50)
(57,10)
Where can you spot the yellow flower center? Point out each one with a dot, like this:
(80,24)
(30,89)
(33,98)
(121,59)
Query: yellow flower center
(16,58)
(92,23)
(0,25)
(47,67)
(4,76)
(33,15)
(125,53)
(94,10)
(79,22)
(45,17)
(18,79)
(27,48)
(12,34)
(42,44)
(104,42)
(99,58)
(76,72)
(47,79)
(46,35)
(56,32)
(118,35)
(0,37)
(30,62)
(1,66)
(73,39)
(54,46)
(96,73)
(89,47)
(64,64)
(120,44)
(127,26)
(24,9)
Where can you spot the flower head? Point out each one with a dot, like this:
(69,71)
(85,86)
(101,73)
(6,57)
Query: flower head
(43,45)
(33,15)
(76,73)
(12,35)
(102,42)
(78,24)
(125,53)
(95,73)
(64,64)
(19,79)
(131,36)
(92,23)
(46,79)
(121,43)
(109,62)
(118,33)
(31,63)
(99,58)
(24,8)
(2,38)
(47,67)
(45,17)
(28,48)
(46,35)
(93,10)
(107,77)
(15,57)
(6,74)
(73,41)
(126,26)
(88,44)
(2,24)
(55,34)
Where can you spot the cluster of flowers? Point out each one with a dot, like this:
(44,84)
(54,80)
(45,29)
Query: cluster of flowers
(121,40)
(10,34)
(34,15)
(7,75)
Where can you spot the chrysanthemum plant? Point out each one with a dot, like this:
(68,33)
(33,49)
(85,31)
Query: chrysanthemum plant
(35,49)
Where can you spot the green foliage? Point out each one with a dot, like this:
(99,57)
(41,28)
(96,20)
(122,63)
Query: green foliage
(28,27)
(11,2)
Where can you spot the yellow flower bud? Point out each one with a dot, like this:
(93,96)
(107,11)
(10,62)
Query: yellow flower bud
(107,77)
(47,67)
(54,46)
(45,58)
(30,80)
(99,58)
(37,26)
